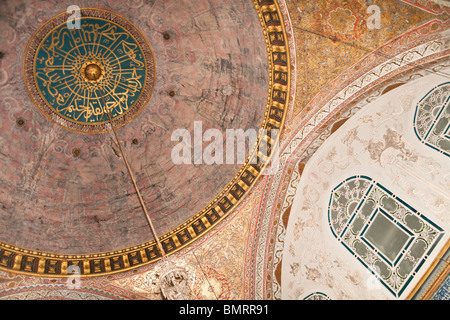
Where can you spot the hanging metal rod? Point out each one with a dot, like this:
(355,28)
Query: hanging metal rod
(141,200)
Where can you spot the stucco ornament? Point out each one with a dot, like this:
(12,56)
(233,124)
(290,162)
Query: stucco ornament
(174,282)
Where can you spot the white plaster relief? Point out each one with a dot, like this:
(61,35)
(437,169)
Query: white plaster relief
(379,142)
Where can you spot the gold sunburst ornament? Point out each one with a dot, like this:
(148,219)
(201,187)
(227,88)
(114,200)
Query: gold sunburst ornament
(92,71)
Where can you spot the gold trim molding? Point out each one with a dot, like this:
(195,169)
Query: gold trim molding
(437,281)
(37,263)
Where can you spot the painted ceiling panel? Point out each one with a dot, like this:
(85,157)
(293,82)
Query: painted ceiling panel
(262,249)
(334,35)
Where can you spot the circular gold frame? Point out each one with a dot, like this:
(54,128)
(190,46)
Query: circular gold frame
(37,96)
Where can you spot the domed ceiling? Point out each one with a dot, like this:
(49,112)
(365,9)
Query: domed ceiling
(147,68)
(315,69)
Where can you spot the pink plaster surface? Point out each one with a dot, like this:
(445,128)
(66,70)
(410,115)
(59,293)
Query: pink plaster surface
(216,63)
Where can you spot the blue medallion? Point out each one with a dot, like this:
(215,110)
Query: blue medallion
(86,76)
